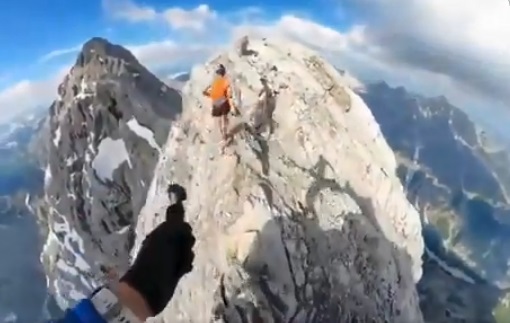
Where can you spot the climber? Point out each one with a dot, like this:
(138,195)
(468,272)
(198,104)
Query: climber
(220,93)
(164,257)
(263,110)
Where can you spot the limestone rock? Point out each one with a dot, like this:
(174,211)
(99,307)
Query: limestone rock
(303,219)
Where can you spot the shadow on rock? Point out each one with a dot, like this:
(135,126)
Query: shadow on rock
(262,116)
(307,267)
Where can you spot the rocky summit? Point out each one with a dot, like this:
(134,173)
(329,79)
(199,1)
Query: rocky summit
(106,131)
(303,219)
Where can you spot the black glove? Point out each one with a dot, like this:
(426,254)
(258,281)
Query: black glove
(165,255)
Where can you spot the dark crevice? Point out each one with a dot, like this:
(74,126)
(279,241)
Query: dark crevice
(240,311)
(113,109)
(274,300)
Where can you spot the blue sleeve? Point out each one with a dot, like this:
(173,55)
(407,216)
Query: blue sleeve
(83,312)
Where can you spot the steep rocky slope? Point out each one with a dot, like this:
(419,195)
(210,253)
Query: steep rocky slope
(459,180)
(106,129)
(303,219)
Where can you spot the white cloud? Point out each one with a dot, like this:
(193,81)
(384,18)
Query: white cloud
(28,94)
(169,53)
(128,10)
(177,18)
(194,19)
(59,52)
(464,40)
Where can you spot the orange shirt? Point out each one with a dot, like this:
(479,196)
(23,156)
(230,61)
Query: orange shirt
(220,89)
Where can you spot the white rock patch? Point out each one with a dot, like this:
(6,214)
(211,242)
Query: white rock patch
(111,154)
(58,135)
(143,132)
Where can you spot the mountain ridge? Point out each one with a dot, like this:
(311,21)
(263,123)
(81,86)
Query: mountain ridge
(102,129)
(279,204)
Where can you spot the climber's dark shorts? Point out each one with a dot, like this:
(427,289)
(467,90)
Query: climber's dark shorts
(221,110)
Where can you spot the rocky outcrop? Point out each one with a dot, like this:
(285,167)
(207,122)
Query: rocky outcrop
(106,128)
(303,219)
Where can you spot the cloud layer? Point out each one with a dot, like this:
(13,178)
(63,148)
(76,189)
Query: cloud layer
(27,94)
(59,52)
(465,40)
(458,48)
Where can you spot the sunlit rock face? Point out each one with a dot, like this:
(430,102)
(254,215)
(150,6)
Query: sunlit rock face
(303,219)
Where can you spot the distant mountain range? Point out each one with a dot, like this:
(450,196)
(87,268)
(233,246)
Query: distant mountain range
(19,170)
(459,180)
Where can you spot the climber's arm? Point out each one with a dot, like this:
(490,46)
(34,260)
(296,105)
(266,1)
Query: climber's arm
(121,303)
(148,285)
(133,300)
(207,91)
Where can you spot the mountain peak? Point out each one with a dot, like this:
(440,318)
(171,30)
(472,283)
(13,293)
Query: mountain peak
(100,49)
(105,135)
(302,218)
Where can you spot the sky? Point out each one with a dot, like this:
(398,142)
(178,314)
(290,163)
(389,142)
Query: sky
(456,48)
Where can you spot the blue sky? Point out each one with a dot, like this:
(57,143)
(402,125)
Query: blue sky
(66,24)
(457,48)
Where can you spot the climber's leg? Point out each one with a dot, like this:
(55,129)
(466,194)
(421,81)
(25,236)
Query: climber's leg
(220,127)
(225,126)
(227,137)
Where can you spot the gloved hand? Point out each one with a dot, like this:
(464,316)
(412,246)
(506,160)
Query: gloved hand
(164,257)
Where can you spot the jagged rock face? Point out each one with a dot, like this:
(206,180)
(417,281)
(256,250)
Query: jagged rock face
(303,219)
(106,131)
(37,146)
(454,174)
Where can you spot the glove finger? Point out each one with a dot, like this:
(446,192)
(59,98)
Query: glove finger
(186,264)
(186,234)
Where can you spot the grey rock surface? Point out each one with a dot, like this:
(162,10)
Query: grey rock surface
(106,129)
(303,218)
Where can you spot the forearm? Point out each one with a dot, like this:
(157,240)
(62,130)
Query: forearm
(128,296)
(120,303)
(132,299)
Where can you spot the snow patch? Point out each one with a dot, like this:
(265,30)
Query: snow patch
(11,144)
(85,90)
(47,175)
(70,160)
(61,236)
(27,204)
(143,132)
(10,318)
(69,234)
(58,134)
(111,154)
(62,265)
(123,230)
